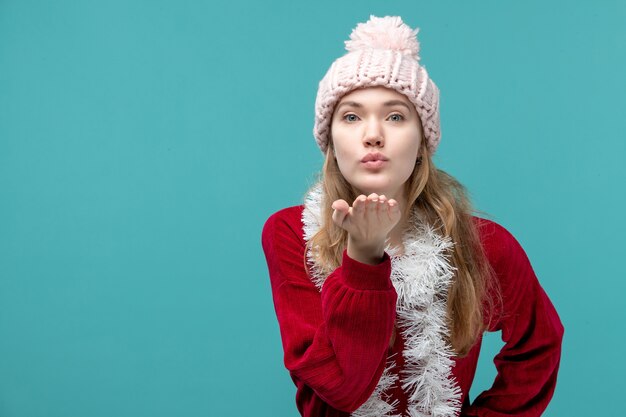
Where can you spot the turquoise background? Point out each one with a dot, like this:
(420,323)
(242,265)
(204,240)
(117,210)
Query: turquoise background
(144,143)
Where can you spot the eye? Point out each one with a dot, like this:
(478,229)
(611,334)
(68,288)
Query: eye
(348,119)
(398,116)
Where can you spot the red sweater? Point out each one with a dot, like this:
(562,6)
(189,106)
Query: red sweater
(336,340)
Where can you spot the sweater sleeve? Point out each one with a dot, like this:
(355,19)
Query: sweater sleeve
(335,341)
(528,362)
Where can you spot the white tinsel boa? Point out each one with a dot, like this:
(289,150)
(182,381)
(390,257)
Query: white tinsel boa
(421,277)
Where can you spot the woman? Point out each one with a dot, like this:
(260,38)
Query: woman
(383,280)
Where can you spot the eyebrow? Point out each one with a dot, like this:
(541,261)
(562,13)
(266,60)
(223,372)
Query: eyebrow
(386,104)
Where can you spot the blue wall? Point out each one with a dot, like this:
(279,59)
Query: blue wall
(144,143)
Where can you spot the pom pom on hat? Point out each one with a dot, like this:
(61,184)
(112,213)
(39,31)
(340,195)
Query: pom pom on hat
(387,32)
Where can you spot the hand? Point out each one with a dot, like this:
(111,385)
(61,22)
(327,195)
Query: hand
(368,222)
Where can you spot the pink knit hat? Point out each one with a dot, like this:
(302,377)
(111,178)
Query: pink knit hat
(383,51)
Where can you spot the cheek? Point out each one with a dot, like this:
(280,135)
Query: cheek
(409,155)
(405,169)
(343,151)
(414,140)
(342,160)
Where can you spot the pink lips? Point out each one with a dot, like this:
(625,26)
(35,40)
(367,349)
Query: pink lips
(374,156)
(374,160)
(374,164)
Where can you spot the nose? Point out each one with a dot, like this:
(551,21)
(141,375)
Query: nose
(373,135)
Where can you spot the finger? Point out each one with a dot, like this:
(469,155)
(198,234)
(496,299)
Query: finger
(372,202)
(382,208)
(393,206)
(359,203)
(382,202)
(338,217)
(341,210)
(340,205)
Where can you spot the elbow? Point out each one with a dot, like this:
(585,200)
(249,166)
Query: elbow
(345,400)
(335,389)
(556,340)
(559,330)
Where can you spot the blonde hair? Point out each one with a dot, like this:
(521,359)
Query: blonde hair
(445,204)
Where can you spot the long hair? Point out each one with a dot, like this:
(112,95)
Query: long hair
(446,206)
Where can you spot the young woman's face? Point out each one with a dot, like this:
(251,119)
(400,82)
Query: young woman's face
(380,124)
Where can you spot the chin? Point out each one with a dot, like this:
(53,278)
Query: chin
(378,187)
